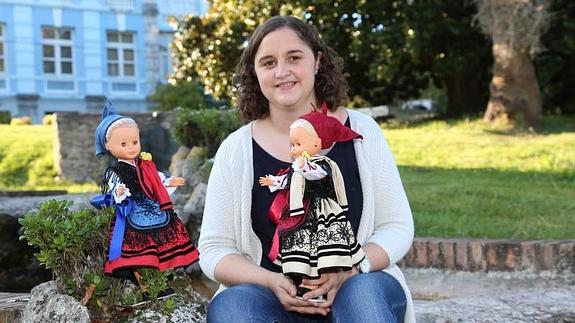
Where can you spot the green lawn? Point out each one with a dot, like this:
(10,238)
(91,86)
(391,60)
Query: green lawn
(27,160)
(463,178)
(468,179)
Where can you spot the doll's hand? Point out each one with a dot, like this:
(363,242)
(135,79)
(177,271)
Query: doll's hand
(285,291)
(176,181)
(266,181)
(120,190)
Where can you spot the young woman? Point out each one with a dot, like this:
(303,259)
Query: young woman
(285,69)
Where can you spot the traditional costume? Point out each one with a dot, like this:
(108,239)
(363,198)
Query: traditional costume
(146,232)
(313,232)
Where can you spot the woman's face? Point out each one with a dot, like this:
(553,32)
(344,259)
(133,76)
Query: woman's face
(285,67)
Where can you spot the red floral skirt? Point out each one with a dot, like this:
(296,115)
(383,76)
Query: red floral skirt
(163,248)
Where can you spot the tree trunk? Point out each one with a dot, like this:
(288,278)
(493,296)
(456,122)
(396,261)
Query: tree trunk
(514,89)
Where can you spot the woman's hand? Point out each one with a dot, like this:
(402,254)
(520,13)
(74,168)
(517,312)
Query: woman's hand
(327,283)
(285,291)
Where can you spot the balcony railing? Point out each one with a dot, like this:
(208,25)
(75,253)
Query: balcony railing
(122,5)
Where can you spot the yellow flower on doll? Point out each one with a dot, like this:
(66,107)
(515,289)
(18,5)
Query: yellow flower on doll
(305,154)
(145,156)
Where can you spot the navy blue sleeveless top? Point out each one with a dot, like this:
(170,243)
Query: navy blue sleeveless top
(342,153)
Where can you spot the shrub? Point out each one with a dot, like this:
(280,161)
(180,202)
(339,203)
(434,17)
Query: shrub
(74,244)
(48,119)
(41,171)
(187,95)
(205,128)
(16,122)
(5,117)
(21,121)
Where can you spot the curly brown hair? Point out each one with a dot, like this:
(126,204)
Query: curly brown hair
(330,84)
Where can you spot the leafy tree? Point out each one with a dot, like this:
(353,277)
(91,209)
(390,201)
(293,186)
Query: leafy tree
(391,49)
(515,28)
(555,66)
(452,51)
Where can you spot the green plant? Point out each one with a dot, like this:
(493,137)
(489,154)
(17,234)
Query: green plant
(5,117)
(153,281)
(27,161)
(48,119)
(74,244)
(205,128)
(186,95)
(16,122)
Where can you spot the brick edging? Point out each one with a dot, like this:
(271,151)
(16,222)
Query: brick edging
(491,255)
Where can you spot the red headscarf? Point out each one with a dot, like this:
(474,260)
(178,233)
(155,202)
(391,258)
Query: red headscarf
(328,128)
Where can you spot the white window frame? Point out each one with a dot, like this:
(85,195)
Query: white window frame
(121,61)
(120,46)
(57,59)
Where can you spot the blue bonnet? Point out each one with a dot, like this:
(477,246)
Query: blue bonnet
(109,116)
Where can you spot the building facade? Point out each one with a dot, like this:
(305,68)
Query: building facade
(73,55)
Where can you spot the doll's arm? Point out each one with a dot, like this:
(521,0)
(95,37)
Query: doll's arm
(118,190)
(273,182)
(170,183)
(309,169)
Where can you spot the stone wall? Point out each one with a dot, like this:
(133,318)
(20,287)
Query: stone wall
(481,255)
(74,155)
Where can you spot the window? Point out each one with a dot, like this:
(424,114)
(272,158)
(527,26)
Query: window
(2,51)
(121,54)
(122,5)
(57,51)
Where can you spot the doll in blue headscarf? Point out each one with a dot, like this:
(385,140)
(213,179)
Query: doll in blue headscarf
(146,232)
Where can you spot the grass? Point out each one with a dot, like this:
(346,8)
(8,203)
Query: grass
(27,161)
(468,179)
(463,178)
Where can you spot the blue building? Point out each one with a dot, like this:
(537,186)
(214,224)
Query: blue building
(72,55)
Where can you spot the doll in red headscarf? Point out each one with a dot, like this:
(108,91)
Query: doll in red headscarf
(313,232)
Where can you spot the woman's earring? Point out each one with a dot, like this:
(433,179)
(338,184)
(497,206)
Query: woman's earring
(316,69)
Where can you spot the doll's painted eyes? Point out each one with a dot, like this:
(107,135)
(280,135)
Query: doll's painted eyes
(135,142)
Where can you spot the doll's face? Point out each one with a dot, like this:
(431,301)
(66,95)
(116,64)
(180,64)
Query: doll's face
(303,141)
(124,143)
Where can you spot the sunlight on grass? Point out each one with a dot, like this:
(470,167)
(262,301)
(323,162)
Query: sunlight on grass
(475,145)
(468,179)
(463,178)
(27,161)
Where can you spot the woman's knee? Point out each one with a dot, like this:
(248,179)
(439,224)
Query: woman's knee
(241,303)
(375,295)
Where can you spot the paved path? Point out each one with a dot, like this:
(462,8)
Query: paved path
(439,296)
(491,297)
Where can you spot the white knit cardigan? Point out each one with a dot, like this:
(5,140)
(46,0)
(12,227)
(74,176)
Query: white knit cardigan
(227,224)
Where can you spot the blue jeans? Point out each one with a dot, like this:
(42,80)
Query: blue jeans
(372,297)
